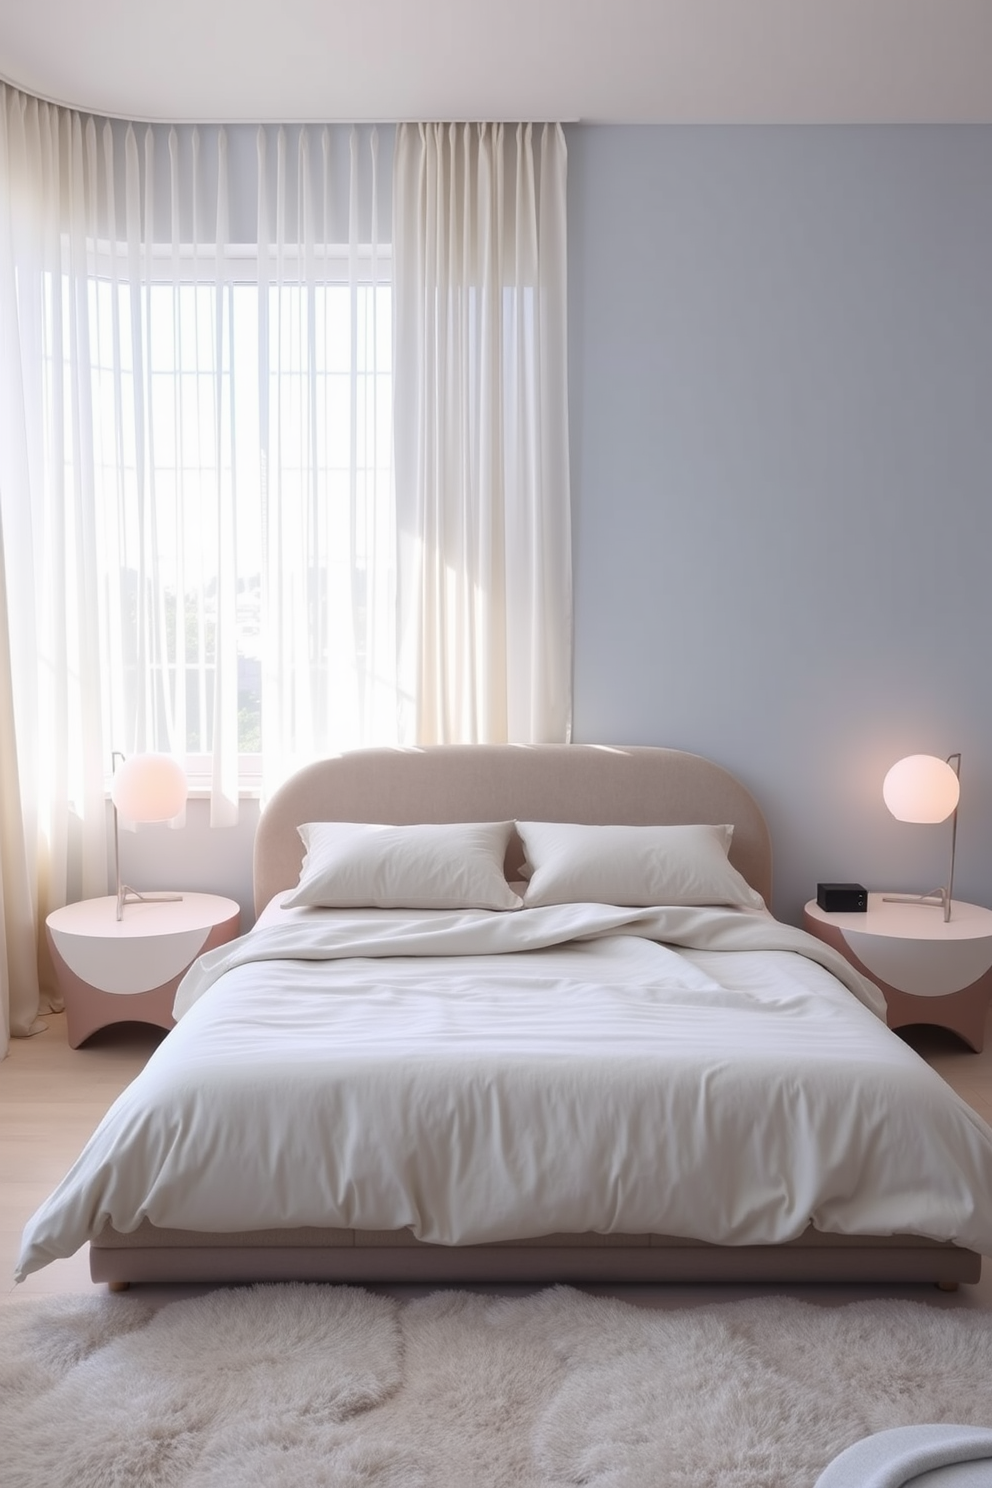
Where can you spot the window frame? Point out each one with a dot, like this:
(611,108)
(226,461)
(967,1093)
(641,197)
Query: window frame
(238,264)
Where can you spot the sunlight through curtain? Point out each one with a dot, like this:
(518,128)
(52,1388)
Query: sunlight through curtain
(198,364)
(213,350)
(327,536)
(481,413)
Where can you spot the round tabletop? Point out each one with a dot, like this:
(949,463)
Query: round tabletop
(147,917)
(911,946)
(910,921)
(154,941)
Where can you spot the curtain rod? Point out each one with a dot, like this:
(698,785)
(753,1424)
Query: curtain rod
(288,123)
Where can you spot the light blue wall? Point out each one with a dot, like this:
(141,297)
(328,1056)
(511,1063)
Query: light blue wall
(781,413)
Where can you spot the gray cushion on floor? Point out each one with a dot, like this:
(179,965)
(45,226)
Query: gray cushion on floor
(915,1457)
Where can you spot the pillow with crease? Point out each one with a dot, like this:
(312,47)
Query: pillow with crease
(445,865)
(569,863)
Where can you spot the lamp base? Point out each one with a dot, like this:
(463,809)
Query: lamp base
(126,895)
(937,898)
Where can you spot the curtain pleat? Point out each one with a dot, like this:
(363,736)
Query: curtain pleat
(328,668)
(224,753)
(480,410)
(19,991)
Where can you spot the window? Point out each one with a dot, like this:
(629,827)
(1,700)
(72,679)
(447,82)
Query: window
(242,457)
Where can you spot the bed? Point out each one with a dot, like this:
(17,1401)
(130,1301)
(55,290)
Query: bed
(574,1091)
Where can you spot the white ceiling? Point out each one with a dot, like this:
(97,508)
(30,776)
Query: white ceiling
(616,61)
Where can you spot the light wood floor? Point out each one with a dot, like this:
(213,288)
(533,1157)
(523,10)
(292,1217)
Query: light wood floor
(52,1097)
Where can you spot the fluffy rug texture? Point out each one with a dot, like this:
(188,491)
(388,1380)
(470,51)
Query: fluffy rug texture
(332,1387)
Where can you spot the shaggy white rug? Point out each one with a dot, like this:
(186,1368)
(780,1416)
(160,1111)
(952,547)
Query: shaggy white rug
(333,1387)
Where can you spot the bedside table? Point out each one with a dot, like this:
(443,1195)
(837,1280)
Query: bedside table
(929,971)
(113,971)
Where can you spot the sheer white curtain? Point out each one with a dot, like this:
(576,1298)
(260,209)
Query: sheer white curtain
(195,466)
(325,438)
(482,482)
(198,361)
(51,753)
(19,993)
(212,342)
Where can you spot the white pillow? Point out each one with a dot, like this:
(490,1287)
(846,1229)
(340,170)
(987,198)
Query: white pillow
(568,863)
(448,865)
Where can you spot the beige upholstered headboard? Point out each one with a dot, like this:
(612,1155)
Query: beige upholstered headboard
(625,785)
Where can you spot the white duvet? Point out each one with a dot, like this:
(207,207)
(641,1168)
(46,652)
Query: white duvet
(480,1076)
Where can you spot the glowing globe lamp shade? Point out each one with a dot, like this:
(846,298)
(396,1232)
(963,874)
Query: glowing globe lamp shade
(149,788)
(921,788)
(146,788)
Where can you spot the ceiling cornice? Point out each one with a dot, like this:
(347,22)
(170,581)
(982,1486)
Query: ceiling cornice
(609,61)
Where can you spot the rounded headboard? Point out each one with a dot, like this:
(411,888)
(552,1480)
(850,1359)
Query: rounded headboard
(591,783)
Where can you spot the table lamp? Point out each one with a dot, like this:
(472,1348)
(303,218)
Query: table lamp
(146,788)
(923,788)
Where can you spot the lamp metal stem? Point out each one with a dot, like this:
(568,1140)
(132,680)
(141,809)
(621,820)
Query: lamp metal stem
(954,760)
(940,897)
(125,894)
(116,755)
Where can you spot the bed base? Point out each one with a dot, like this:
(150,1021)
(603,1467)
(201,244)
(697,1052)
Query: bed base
(151,1255)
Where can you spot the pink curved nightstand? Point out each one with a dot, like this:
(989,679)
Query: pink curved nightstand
(114,971)
(929,970)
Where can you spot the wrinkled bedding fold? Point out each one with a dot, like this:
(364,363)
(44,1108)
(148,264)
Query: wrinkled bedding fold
(337,935)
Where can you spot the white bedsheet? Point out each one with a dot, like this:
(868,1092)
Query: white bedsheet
(602,1084)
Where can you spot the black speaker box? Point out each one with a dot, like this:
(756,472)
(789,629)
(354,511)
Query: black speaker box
(842,898)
